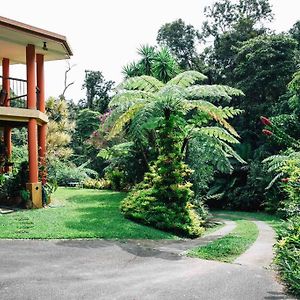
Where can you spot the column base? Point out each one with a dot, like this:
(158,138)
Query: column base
(35,190)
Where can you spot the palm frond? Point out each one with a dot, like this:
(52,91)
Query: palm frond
(142,83)
(187,78)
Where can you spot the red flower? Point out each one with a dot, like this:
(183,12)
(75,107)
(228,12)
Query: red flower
(267,132)
(265,121)
(285,179)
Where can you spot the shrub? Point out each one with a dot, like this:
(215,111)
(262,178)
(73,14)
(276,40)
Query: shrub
(99,184)
(144,206)
(288,253)
(63,173)
(163,199)
(117,179)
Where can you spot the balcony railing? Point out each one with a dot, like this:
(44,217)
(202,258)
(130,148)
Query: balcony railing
(18,93)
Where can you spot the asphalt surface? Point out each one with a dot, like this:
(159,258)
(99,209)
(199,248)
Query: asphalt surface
(260,254)
(102,269)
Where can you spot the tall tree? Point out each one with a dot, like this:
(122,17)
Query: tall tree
(97,91)
(264,66)
(181,39)
(224,15)
(230,24)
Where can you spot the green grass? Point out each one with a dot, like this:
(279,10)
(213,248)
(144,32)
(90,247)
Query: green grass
(77,213)
(231,246)
(228,248)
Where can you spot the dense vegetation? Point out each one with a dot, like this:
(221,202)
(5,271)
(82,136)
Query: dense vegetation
(163,133)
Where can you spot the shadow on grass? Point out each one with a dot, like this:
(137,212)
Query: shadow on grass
(97,215)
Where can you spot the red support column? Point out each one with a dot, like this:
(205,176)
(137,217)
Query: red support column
(42,108)
(7,130)
(32,124)
(40,81)
(34,187)
(8,147)
(5,80)
(32,151)
(31,78)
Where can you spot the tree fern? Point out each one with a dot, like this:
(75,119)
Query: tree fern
(217,113)
(144,103)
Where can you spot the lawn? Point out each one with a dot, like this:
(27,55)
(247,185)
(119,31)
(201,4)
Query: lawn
(228,248)
(77,213)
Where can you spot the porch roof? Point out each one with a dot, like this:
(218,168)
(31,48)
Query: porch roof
(15,36)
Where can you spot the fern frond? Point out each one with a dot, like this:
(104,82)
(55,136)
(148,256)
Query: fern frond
(173,90)
(187,78)
(217,113)
(219,133)
(279,175)
(232,92)
(138,126)
(143,83)
(130,97)
(123,119)
(232,153)
(229,112)
(275,162)
(212,93)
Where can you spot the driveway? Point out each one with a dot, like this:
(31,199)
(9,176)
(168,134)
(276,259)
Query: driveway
(99,269)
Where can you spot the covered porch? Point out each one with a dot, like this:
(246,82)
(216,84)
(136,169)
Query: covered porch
(22,100)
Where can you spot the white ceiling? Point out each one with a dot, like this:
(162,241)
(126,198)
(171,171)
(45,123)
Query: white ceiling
(13,46)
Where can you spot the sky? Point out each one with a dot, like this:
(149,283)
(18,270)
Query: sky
(104,35)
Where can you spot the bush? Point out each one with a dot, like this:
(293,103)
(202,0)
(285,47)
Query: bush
(12,185)
(63,173)
(99,184)
(144,206)
(288,253)
(117,179)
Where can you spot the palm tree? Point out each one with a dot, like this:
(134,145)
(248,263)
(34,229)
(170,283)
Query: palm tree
(157,63)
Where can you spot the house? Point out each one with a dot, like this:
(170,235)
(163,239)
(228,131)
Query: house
(22,101)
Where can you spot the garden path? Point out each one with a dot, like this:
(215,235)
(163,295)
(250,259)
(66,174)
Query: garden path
(181,246)
(260,254)
(101,269)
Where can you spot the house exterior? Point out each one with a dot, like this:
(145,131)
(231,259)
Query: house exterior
(22,101)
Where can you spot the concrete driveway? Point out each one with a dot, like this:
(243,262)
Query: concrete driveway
(102,269)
